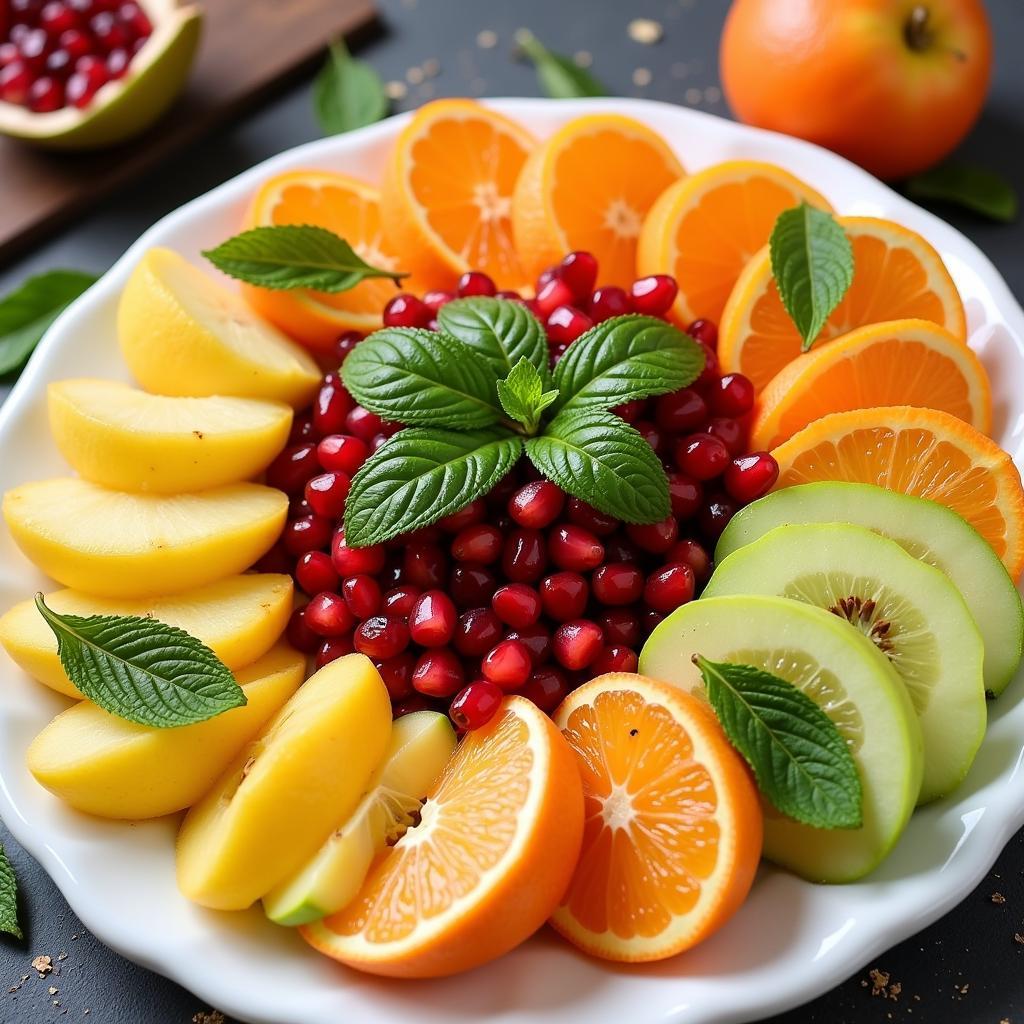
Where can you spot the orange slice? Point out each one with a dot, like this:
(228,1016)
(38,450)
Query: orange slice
(672,835)
(923,452)
(349,208)
(912,362)
(447,193)
(487,864)
(704,229)
(589,187)
(897,275)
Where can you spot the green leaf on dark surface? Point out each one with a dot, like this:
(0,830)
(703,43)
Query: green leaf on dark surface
(502,331)
(287,256)
(523,396)
(421,377)
(421,475)
(598,458)
(801,762)
(8,897)
(347,93)
(141,669)
(560,77)
(975,188)
(626,358)
(27,312)
(812,262)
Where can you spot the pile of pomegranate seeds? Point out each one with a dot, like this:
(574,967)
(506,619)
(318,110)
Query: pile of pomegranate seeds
(526,590)
(58,53)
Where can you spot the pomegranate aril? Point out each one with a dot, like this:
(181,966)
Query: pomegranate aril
(507,664)
(681,411)
(476,632)
(135,18)
(546,687)
(347,341)
(75,42)
(363,424)
(277,559)
(411,704)
(400,600)
(432,619)
(45,95)
(438,673)
(704,331)
(620,549)
(517,605)
(480,544)
(508,293)
(33,46)
(551,295)
(326,493)
(650,620)
(751,476)
(731,395)
(475,705)
(59,64)
(653,295)
(363,596)
(684,495)
(536,504)
(396,673)
(473,282)
(715,515)
(564,595)
(709,375)
(579,271)
(654,537)
(524,558)
(15,81)
(108,31)
(308,533)
(617,583)
(333,649)
(581,514)
(691,553)
(729,431)
(299,507)
(299,635)
(355,561)
(436,299)
(608,302)
(8,51)
(315,572)
(406,310)
(621,626)
(328,615)
(382,636)
(565,324)
(471,585)
(117,63)
(292,468)
(632,411)
(702,456)
(615,659)
(669,587)
(651,434)
(537,641)
(474,512)
(424,565)
(342,453)
(330,409)
(576,644)
(574,548)
(56,18)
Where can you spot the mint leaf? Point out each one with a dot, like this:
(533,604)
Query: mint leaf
(347,93)
(801,762)
(141,669)
(421,475)
(501,330)
(287,256)
(8,897)
(625,358)
(523,396)
(967,185)
(812,262)
(559,77)
(598,458)
(421,377)
(27,312)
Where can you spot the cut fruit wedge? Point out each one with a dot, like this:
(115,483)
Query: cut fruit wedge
(348,207)
(909,610)
(848,678)
(446,197)
(704,229)
(922,452)
(589,186)
(125,439)
(673,829)
(239,619)
(183,333)
(277,802)
(897,275)
(112,768)
(421,744)
(912,362)
(494,850)
(928,531)
(139,545)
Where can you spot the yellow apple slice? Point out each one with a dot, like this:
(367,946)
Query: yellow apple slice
(136,545)
(183,333)
(239,619)
(125,439)
(278,802)
(106,766)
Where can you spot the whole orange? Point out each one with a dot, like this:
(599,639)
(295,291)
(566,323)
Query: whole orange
(892,84)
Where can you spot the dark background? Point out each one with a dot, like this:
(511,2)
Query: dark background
(969,967)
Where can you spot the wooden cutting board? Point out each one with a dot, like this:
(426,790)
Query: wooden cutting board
(248,49)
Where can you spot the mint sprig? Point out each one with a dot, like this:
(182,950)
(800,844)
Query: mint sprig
(560,77)
(141,669)
(800,760)
(347,93)
(812,262)
(502,332)
(8,897)
(975,188)
(522,395)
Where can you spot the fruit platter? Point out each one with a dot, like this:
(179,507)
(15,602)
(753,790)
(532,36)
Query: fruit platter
(538,559)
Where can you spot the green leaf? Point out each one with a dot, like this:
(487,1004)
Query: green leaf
(421,377)
(595,456)
(141,669)
(801,762)
(812,262)
(626,358)
(421,475)
(287,256)
(967,185)
(347,93)
(523,396)
(560,77)
(500,330)
(27,312)
(8,897)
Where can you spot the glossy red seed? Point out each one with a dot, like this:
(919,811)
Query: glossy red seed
(481,544)
(117,62)
(342,453)
(307,533)
(551,295)
(382,636)
(619,548)
(620,626)
(508,664)
(701,456)
(59,64)
(651,434)
(436,299)
(632,411)
(411,704)
(574,548)
(650,620)
(709,375)
(565,324)
(328,615)
(474,512)
(302,430)
(406,310)
(581,514)
(536,504)
(363,424)
(731,395)
(508,293)
(681,411)
(400,600)
(576,644)
(432,619)
(33,46)
(135,18)
(715,515)
(537,640)
(277,559)
(327,492)
(564,595)
(396,673)
(300,636)
(346,342)
(299,507)
(363,596)
(471,585)
(333,649)
(473,282)
(75,42)
(653,295)
(475,705)
(292,468)
(56,18)
(315,572)
(517,605)
(669,587)
(424,565)
(654,537)
(331,408)
(615,659)
(45,95)
(15,81)
(355,561)
(438,673)
(751,476)
(608,302)
(546,687)
(684,495)
(579,271)
(85,82)
(476,632)
(729,431)
(524,557)
(691,553)
(617,583)
(704,331)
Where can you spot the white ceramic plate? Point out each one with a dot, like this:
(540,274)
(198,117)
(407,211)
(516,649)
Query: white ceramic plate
(789,943)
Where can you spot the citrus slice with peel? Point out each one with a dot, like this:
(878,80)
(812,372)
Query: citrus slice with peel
(673,827)
(447,193)
(496,845)
(912,362)
(704,229)
(348,207)
(589,186)
(923,452)
(897,275)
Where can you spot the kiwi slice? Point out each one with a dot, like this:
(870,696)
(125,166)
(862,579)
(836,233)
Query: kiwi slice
(852,682)
(927,530)
(908,610)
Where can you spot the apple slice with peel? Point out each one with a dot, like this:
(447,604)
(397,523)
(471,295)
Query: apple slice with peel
(421,745)
(277,803)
